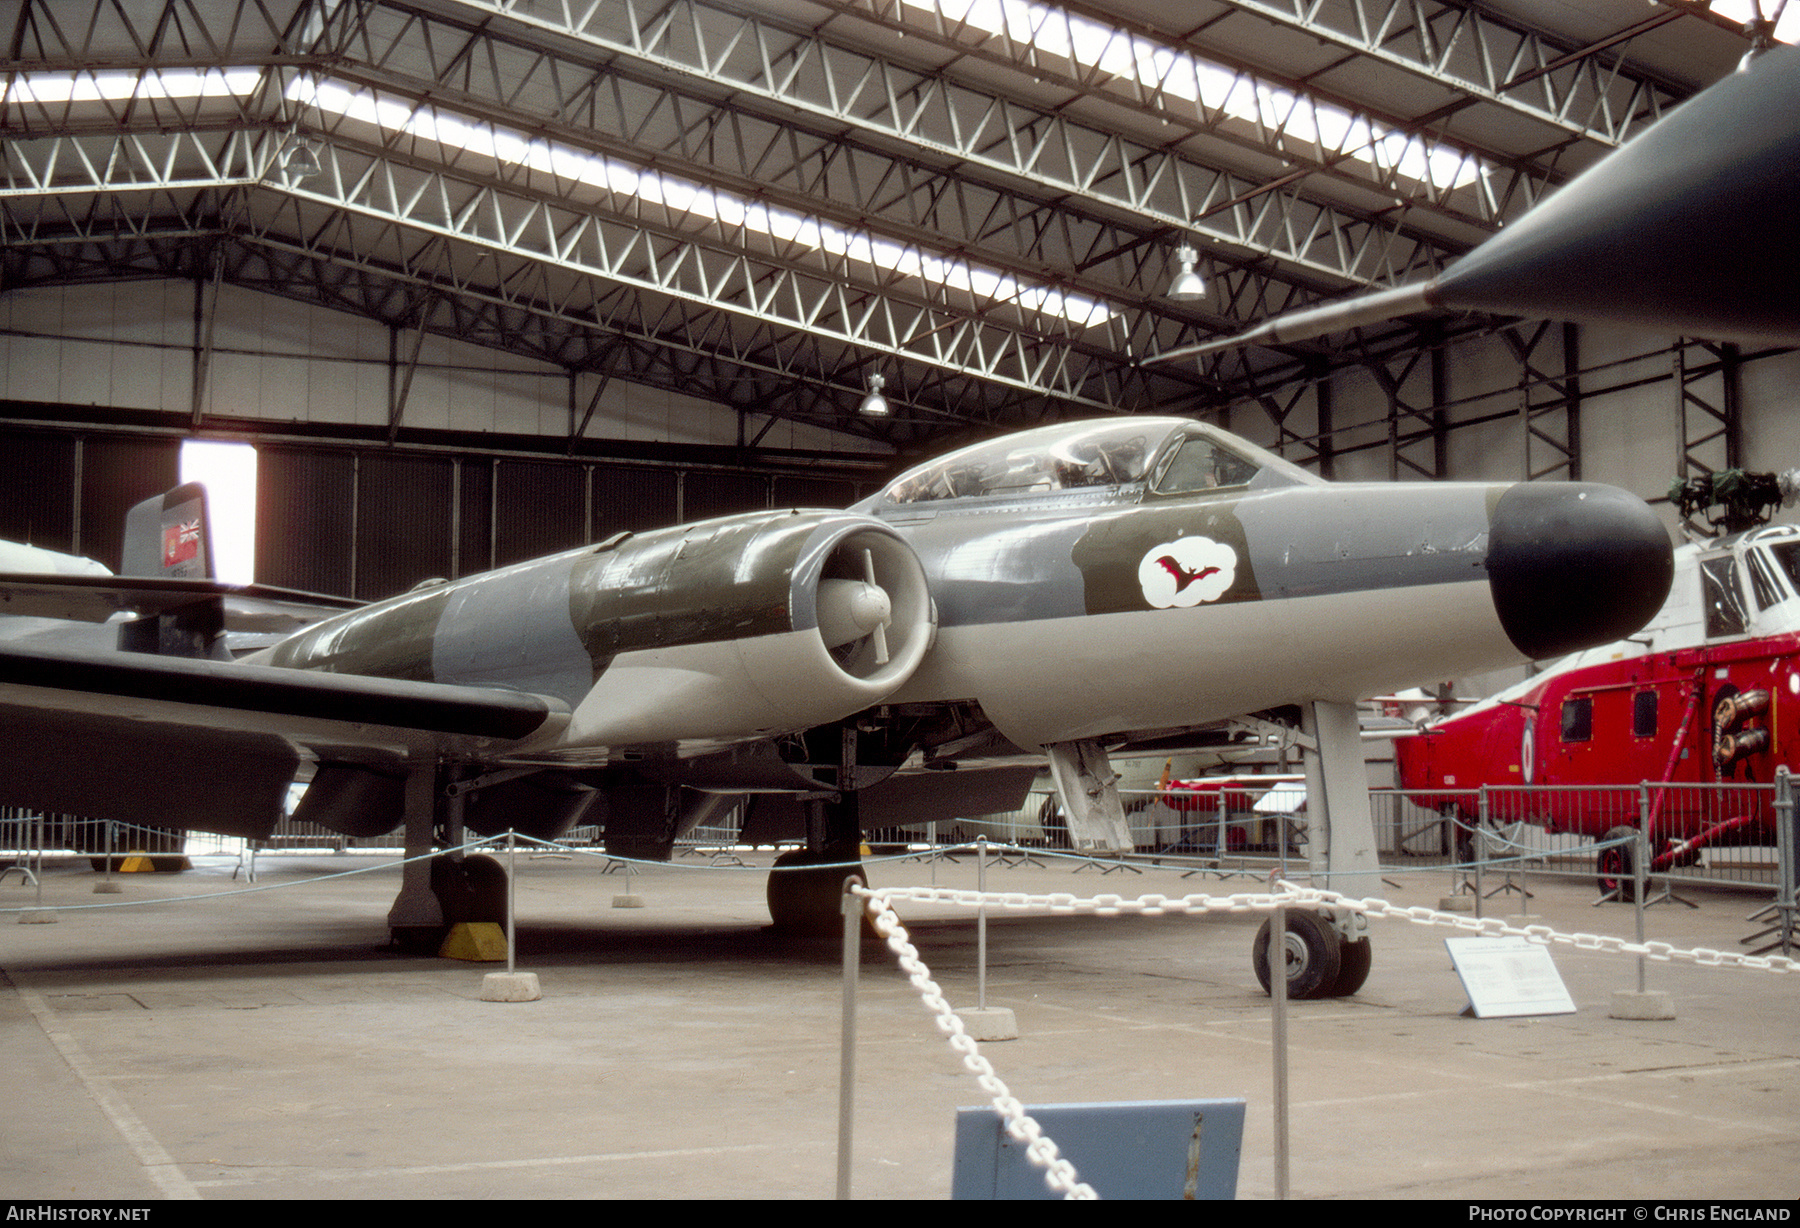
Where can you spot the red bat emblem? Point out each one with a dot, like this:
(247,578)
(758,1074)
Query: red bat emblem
(1183,577)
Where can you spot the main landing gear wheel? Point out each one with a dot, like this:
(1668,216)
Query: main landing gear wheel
(806,898)
(473,889)
(1320,962)
(1617,866)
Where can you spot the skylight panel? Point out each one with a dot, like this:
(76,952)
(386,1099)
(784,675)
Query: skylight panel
(1787,29)
(1180,74)
(157,83)
(686,196)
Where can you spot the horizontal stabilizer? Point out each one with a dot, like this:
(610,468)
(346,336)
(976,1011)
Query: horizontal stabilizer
(95,599)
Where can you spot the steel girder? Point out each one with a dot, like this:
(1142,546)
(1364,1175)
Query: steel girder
(1317,133)
(930,159)
(1485,58)
(940,120)
(744,382)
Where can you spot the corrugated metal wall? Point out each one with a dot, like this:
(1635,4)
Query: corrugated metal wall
(37,490)
(115,474)
(71,493)
(814,492)
(709,493)
(370,522)
(540,508)
(305,518)
(405,526)
(633,499)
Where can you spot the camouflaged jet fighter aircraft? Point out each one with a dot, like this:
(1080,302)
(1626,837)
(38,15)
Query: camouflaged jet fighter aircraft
(1073,591)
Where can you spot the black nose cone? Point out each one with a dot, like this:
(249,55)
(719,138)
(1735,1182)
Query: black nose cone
(1573,565)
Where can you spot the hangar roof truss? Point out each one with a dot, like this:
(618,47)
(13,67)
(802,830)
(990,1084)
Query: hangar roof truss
(761,201)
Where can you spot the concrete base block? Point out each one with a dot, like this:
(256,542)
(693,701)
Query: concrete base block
(628,901)
(481,942)
(510,987)
(1650,1004)
(990,1023)
(38,916)
(1456,903)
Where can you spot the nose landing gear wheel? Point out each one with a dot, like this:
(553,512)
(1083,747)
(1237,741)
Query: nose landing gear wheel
(1353,970)
(1320,963)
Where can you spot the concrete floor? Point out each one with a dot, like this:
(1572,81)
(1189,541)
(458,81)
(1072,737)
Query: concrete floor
(268,1046)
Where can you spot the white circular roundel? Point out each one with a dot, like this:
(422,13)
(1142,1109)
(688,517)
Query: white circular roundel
(1187,571)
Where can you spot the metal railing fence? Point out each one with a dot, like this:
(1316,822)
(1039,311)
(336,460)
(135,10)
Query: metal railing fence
(1723,834)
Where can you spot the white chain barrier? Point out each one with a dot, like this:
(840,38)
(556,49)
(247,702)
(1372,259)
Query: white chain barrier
(1292,895)
(1059,1174)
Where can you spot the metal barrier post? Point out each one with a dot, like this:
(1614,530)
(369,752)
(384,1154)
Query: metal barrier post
(981,924)
(1640,864)
(1279,1038)
(1478,843)
(852,909)
(512,877)
(106,886)
(1787,871)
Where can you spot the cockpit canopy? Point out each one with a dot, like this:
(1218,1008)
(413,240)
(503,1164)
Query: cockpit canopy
(1113,458)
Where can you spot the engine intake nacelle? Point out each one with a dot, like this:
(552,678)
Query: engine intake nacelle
(747,627)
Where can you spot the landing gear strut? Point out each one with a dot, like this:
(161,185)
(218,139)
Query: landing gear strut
(438,893)
(806,887)
(1327,952)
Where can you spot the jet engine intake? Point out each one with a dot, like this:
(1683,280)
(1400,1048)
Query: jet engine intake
(754,626)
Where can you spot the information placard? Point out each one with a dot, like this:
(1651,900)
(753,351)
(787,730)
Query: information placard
(1508,976)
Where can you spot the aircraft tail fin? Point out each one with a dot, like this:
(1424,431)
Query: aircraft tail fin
(169,536)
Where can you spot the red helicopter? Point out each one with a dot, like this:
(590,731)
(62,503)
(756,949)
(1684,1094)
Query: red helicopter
(1707,693)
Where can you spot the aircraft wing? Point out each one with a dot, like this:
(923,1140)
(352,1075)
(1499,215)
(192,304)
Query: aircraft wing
(212,744)
(1686,228)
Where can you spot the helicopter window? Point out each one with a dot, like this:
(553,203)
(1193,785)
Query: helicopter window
(1763,583)
(1643,714)
(1578,719)
(1201,464)
(1724,605)
(1787,555)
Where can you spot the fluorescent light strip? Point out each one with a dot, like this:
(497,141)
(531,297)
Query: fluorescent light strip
(166,83)
(654,187)
(1180,74)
